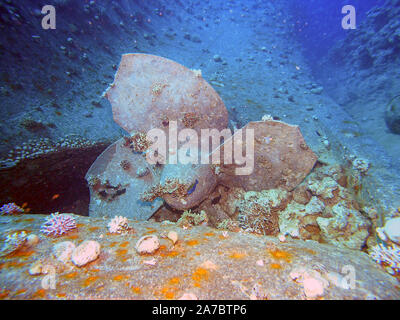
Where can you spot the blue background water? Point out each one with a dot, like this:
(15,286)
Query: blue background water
(318,22)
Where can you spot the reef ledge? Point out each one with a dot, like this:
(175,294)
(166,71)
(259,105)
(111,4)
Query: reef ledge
(200,262)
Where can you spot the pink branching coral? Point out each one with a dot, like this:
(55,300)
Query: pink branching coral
(388,257)
(10,208)
(58,224)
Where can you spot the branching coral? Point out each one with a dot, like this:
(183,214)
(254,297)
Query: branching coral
(388,257)
(190,218)
(10,208)
(254,217)
(58,224)
(229,224)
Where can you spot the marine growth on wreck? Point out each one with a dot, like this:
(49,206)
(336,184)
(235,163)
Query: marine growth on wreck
(194,151)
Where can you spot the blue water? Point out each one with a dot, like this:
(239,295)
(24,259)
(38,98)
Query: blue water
(317,23)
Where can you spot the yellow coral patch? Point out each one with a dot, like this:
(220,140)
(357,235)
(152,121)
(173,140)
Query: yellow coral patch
(136,290)
(281,255)
(121,252)
(209,234)
(174,280)
(192,242)
(171,254)
(90,280)
(71,275)
(199,275)
(168,293)
(237,255)
(275,266)
(119,277)
(124,244)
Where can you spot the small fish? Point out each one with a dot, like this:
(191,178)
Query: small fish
(24,205)
(55,196)
(192,187)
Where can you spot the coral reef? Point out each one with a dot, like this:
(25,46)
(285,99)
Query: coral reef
(36,148)
(138,142)
(299,220)
(318,209)
(58,224)
(347,227)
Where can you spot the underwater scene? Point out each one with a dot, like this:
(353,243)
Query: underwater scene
(200,150)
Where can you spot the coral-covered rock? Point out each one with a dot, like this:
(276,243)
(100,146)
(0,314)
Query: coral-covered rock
(282,158)
(324,188)
(299,220)
(149,91)
(346,227)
